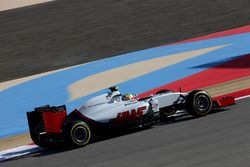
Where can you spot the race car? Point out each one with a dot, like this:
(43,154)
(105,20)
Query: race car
(113,111)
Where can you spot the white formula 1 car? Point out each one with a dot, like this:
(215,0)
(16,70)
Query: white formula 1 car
(50,126)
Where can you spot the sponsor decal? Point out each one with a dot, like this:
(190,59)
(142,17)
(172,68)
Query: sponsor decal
(130,115)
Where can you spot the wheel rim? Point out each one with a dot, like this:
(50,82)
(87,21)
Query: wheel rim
(203,103)
(80,134)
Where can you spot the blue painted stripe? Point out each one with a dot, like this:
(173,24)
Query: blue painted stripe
(52,89)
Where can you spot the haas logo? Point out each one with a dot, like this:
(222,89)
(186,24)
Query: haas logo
(132,115)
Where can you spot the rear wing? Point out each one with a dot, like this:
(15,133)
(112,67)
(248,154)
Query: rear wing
(46,121)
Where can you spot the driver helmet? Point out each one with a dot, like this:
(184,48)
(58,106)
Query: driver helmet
(127,97)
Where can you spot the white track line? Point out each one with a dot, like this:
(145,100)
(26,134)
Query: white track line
(13,4)
(242,97)
(19,151)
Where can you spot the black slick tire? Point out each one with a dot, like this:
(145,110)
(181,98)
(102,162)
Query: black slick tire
(199,103)
(79,134)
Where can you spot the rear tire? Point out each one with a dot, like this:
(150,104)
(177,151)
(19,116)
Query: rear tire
(79,134)
(199,103)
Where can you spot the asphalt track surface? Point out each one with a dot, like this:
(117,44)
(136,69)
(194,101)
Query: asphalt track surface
(219,139)
(68,32)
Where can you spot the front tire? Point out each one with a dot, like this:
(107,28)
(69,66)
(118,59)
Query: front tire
(79,134)
(199,103)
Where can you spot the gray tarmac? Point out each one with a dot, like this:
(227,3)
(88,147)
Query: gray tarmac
(219,139)
(62,33)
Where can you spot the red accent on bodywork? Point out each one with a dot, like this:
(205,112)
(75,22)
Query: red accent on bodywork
(140,111)
(126,115)
(224,101)
(229,99)
(53,121)
(118,118)
(237,94)
(133,114)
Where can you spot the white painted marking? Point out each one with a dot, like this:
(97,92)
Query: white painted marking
(8,84)
(13,4)
(242,97)
(19,151)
